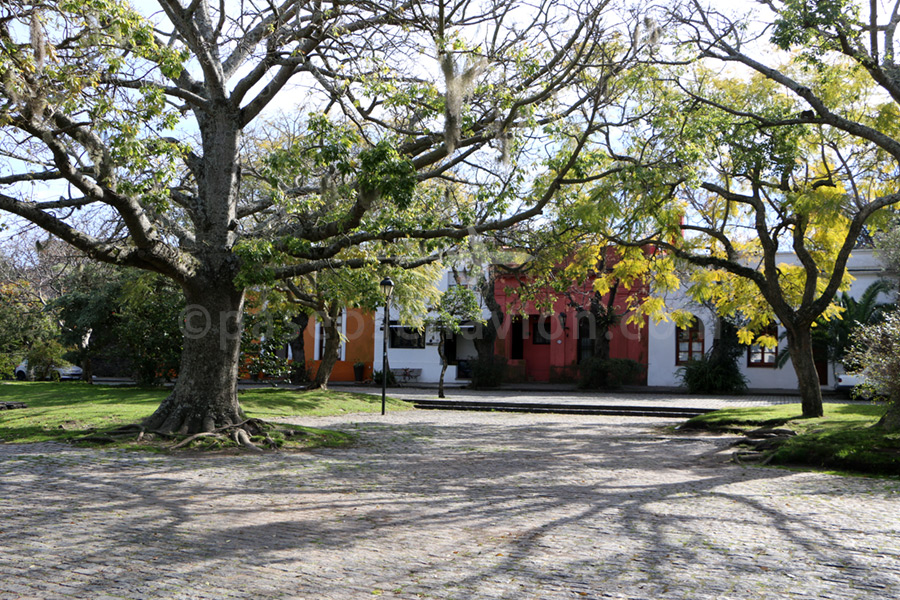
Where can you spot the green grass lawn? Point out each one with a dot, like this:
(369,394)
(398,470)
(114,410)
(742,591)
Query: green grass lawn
(65,411)
(845,439)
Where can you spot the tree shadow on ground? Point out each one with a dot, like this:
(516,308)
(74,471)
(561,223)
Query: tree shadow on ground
(558,505)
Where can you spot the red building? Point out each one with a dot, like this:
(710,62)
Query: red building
(548,343)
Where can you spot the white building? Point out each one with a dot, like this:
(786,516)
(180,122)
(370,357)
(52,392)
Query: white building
(670,347)
(413,354)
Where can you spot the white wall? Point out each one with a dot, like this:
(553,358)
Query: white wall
(426,358)
(662,371)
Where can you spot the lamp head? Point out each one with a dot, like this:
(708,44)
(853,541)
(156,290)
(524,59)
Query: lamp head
(387,287)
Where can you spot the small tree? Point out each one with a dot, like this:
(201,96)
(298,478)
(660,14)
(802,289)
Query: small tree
(876,354)
(457,306)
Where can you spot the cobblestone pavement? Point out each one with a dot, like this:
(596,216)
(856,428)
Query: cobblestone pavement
(445,505)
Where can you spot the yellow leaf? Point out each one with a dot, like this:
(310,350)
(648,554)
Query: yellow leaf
(602,286)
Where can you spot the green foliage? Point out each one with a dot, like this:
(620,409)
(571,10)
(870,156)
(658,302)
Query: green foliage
(608,373)
(8,364)
(457,306)
(385,172)
(875,353)
(887,247)
(844,439)
(266,331)
(43,356)
(23,322)
(864,450)
(813,23)
(718,371)
(88,314)
(708,376)
(488,372)
(148,326)
(378,376)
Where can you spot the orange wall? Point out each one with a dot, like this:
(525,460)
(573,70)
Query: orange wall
(360,330)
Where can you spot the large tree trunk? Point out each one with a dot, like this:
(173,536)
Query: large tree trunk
(800,343)
(205,394)
(299,375)
(332,349)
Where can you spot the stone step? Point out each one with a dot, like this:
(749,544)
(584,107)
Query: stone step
(572,409)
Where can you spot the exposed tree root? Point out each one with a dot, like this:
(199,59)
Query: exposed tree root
(241,437)
(191,438)
(240,434)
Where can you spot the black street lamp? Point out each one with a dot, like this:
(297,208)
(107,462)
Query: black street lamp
(387,288)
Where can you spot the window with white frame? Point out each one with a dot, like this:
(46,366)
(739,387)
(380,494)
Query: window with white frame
(762,356)
(689,343)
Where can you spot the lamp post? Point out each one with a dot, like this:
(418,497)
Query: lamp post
(387,288)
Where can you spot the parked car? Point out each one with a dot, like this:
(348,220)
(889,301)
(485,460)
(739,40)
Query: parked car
(71,372)
(848,383)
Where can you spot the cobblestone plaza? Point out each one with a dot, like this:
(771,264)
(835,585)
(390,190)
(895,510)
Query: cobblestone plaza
(445,505)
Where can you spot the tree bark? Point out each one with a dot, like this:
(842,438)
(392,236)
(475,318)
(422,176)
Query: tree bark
(484,342)
(800,342)
(205,394)
(299,375)
(443,356)
(332,349)
(891,419)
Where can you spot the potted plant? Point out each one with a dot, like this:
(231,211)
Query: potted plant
(359,371)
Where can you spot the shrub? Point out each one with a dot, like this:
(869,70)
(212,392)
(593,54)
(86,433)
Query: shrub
(8,363)
(43,356)
(709,376)
(876,355)
(717,372)
(488,372)
(391,380)
(606,373)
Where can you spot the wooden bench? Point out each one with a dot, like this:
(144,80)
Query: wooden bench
(405,375)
